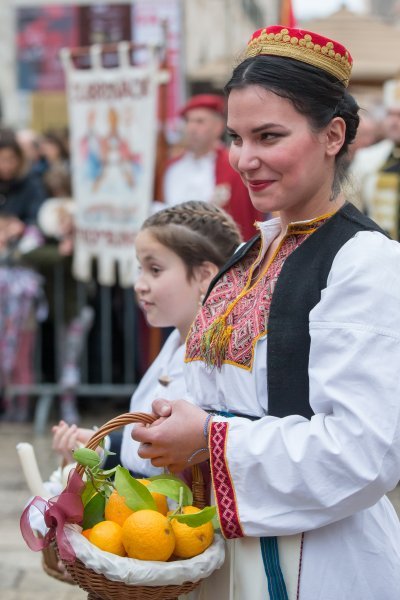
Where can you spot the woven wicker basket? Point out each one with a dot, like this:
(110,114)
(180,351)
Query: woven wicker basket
(53,566)
(98,586)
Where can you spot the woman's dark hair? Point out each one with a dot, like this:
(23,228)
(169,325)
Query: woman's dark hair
(314,93)
(59,139)
(8,141)
(196,231)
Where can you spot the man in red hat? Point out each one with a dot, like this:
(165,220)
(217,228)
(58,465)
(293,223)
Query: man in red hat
(203,171)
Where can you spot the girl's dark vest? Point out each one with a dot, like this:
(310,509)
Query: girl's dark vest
(298,289)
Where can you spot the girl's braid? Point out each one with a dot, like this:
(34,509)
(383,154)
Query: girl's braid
(198,220)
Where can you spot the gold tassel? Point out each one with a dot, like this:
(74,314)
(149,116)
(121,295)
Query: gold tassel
(214,342)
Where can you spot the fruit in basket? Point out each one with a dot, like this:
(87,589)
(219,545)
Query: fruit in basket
(107,536)
(116,509)
(148,535)
(132,513)
(86,533)
(159,499)
(191,541)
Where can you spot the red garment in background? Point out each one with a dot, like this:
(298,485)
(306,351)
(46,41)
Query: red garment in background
(239,205)
(231,193)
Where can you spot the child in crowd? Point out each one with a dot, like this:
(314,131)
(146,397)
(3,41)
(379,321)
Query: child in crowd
(180,250)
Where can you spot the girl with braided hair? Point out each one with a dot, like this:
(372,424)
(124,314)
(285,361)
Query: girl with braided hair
(180,249)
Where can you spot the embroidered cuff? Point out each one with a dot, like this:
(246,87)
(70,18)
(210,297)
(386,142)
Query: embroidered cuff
(222,481)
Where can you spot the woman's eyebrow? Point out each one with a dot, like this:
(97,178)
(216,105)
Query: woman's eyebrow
(259,128)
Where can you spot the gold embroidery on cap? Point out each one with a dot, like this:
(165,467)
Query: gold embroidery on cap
(303,49)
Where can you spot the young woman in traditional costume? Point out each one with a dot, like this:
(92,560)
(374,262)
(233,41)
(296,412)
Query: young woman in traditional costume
(296,349)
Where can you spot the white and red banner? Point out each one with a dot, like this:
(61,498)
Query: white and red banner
(113,129)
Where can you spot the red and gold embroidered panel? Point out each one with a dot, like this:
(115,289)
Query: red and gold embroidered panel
(247,317)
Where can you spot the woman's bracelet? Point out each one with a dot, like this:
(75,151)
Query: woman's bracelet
(206,424)
(195,453)
(205,433)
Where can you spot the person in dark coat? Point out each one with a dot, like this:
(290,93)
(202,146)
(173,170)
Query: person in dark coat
(21,192)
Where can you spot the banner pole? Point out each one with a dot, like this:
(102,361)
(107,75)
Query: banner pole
(162,144)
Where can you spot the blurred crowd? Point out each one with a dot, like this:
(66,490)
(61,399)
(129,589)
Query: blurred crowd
(33,169)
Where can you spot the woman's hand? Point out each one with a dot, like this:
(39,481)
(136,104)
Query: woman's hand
(66,438)
(174,437)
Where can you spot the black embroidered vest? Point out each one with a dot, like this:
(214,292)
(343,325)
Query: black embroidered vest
(298,289)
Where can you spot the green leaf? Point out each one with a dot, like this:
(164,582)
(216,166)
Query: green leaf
(94,511)
(108,491)
(198,518)
(109,453)
(101,475)
(216,523)
(106,452)
(88,492)
(86,457)
(169,485)
(137,495)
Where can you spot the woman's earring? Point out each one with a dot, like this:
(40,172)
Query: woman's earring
(201,299)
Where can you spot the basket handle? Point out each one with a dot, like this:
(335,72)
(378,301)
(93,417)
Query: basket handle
(198,485)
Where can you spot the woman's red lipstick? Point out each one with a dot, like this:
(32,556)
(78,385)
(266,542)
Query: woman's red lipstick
(259,184)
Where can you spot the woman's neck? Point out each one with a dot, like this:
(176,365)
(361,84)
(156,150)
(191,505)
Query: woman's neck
(311,212)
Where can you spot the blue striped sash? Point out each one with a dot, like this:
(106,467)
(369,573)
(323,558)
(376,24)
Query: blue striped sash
(270,556)
(269,547)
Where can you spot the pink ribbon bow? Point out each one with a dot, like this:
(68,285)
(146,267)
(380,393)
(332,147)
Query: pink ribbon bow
(65,508)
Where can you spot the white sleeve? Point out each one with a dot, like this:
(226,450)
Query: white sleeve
(290,475)
(169,361)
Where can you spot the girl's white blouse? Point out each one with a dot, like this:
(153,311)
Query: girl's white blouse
(169,363)
(326,476)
